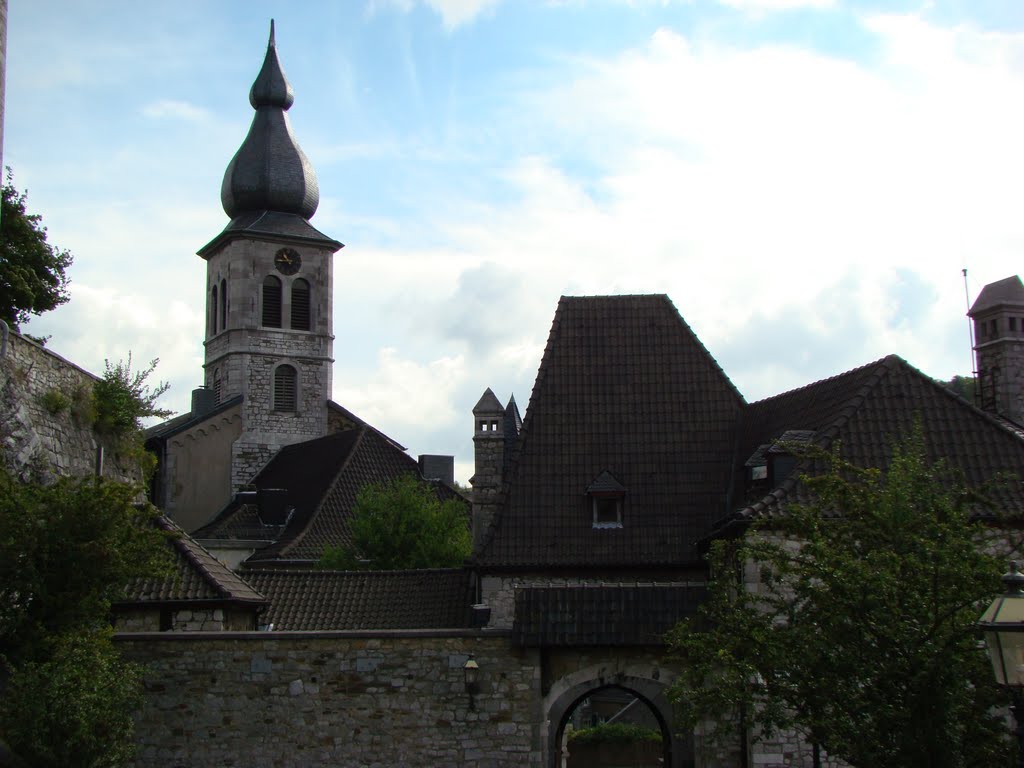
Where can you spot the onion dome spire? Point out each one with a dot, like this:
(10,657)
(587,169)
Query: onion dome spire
(269,172)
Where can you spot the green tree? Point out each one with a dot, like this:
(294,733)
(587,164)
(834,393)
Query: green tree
(401,524)
(33,275)
(862,632)
(123,398)
(965,386)
(67,551)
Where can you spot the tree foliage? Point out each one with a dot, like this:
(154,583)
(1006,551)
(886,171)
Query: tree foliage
(965,386)
(66,552)
(33,273)
(861,634)
(400,524)
(123,398)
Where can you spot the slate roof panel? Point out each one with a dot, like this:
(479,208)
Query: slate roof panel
(624,386)
(323,478)
(305,600)
(866,410)
(602,615)
(196,576)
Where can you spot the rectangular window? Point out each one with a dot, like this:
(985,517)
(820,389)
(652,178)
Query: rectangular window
(300,305)
(607,512)
(271,302)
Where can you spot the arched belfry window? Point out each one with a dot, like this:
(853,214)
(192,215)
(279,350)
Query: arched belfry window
(300,305)
(271,302)
(223,304)
(286,388)
(213,310)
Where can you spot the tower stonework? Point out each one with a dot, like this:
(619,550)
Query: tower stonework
(490,445)
(998,316)
(269,307)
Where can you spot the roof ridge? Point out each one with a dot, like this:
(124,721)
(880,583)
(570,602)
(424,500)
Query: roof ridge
(849,408)
(330,488)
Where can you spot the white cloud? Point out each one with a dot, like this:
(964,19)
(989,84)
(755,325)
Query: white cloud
(177,110)
(758,6)
(402,394)
(453,13)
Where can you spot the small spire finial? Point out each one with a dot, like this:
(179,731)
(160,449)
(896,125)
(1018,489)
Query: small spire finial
(272,43)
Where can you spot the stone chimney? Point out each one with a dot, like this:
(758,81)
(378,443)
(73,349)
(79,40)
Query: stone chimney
(998,315)
(489,453)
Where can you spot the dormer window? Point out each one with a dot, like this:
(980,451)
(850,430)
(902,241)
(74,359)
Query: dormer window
(606,500)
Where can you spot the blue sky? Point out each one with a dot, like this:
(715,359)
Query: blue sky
(804,178)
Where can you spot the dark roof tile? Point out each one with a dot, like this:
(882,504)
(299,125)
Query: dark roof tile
(196,576)
(625,387)
(305,600)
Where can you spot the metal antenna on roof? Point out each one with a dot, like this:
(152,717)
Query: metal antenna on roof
(970,328)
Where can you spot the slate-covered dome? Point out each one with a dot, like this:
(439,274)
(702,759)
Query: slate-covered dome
(269,172)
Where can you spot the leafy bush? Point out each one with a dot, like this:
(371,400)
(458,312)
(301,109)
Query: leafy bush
(400,524)
(67,551)
(614,733)
(123,398)
(55,401)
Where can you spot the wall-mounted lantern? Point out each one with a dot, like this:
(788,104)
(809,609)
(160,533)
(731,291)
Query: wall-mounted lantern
(1003,627)
(471,673)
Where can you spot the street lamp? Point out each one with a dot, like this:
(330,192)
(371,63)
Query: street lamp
(1003,626)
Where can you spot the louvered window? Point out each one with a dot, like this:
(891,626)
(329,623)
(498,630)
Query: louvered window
(300,305)
(216,385)
(286,395)
(213,310)
(223,304)
(271,302)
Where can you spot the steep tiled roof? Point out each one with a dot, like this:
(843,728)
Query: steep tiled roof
(865,410)
(624,387)
(325,600)
(604,614)
(196,576)
(322,478)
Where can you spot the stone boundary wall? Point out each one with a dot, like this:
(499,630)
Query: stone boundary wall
(38,443)
(374,699)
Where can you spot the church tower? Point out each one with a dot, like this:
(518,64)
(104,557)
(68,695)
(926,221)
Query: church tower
(998,315)
(269,280)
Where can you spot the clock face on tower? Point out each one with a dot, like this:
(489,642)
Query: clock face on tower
(287,261)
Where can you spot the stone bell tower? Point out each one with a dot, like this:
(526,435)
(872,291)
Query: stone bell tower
(998,315)
(269,280)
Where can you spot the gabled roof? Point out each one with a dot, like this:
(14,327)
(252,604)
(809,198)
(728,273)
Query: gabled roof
(624,386)
(322,477)
(308,600)
(197,576)
(866,410)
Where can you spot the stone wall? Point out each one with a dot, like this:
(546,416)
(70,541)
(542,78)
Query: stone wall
(45,422)
(334,698)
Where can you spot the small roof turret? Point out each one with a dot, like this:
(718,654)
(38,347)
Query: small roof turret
(270,172)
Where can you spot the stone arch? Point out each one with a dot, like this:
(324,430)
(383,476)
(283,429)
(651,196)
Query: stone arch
(648,682)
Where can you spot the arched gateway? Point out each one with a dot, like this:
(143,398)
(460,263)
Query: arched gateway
(648,682)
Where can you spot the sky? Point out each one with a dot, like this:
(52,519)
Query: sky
(805,179)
